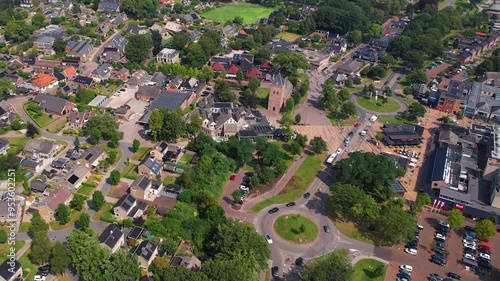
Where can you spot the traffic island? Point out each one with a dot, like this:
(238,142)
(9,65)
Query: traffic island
(381,104)
(296,229)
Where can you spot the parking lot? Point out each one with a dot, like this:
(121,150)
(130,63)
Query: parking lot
(423,267)
(123,98)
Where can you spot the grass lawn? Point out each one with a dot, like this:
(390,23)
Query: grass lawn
(29,269)
(327,257)
(105,213)
(344,122)
(348,228)
(108,149)
(57,128)
(17,144)
(263,94)
(129,172)
(250,13)
(42,120)
(24,227)
(297,185)
(364,270)
(288,36)
(407,99)
(55,225)
(186,158)
(393,120)
(140,153)
(86,189)
(5,249)
(390,106)
(296,229)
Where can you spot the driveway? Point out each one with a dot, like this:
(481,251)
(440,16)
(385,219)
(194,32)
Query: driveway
(123,98)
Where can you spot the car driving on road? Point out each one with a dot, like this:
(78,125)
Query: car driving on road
(273,210)
(290,204)
(269,239)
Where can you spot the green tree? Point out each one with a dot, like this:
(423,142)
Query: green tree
(485,229)
(375,31)
(122,266)
(290,63)
(318,145)
(6,87)
(455,219)
(114,177)
(77,202)
(379,270)
(59,258)
(94,136)
(59,45)
(3,236)
(98,200)
(422,200)
(38,20)
(236,195)
(253,84)
(395,225)
(38,224)
(84,221)
(62,213)
(156,123)
(298,118)
(416,110)
(229,269)
(239,76)
(335,268)
(238,20)
(156,41)
(17,31)
(76,142)
(137,48)
(139,9)
(223,91)
(136,144)
(195,124)
(40,248)
(105,123)
(88,258)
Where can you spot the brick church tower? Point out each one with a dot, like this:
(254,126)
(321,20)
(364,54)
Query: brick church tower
(277,94)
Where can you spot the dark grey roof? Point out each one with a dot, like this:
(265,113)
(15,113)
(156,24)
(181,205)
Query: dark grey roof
(109,5)
(278,80)
(38,186)
(83,80)
(126,202)
(173,187)
(111,235)
(3,143)
(135,233)
(102,70)
(51,103)
(59,76)
(29,164)
(172,100)
(152,164)
(93,153)
(146,250)
(142,181)
(7,271)
(82,48)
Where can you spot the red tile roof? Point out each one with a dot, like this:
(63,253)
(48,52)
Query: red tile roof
(254,72)
(233,69)
(43,80)
(217,66)
(69,71)
(266,64)
(242,32)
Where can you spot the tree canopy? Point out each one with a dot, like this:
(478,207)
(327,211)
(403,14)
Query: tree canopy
(140,8)
(335,268)
(485,229)
(137,48)
(6,87)
(455,219)
(104,126)
(290,63)
(167,124)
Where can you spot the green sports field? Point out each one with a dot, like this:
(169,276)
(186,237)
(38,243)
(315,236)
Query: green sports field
(250,13)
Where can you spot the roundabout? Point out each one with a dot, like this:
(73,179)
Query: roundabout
(296,229)
(381,105)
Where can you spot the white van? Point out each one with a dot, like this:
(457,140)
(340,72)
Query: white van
(411,251)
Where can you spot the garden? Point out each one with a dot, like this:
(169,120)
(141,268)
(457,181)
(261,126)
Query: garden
(250,13)
(42,119)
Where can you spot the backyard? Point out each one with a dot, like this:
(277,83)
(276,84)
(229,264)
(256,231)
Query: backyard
(250,13)
(57,127)
(42,119)
(297,185)
(55,225)
(378,106)
(105,214)
(29,269)
(365,270)
(140,153)
(296,229)
(288,36)
(129,172)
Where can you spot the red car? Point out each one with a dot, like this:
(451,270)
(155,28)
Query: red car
(485,240)
(357,125)
(484,247)
(232,177)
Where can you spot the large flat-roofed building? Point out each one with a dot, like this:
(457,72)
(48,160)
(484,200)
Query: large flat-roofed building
(402,134)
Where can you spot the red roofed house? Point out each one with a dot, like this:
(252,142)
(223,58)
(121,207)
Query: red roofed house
(44,81)
(266,66)
(217,66)
(47,208)
(231,71)
(70,72)
(254,72)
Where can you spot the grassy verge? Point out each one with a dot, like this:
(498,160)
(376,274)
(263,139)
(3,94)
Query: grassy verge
(390,106)
(17,144)
(24,227)
(140,153)
(327,257)
(29,269)
(296,229)
(55,225)
(344,122)
(297,185)
(186,158)
(5,249)
(86,189)
(364,270)
(41,120)
(105,214)
(263,94)
(349,228)
(57,128)
(129,172)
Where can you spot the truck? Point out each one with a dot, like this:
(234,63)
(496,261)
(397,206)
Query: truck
(373,118)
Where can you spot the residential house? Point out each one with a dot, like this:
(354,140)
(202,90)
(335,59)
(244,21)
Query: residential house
(123,112)
(171,190)
(93,156)
(44,43)
(189,262)
(141,187)
(150,167)
(228,30)
(59,76)
(109,6)
(112,237)
(4,146)
(84,82)
(194,35)
(120,74)
(190,18)
(120,19)
(242,35)
(147,93)
(48,207)
(13,270)
(146,252)
(70,72)
(31,165)
(102,72)
(136,29)
(169,4)
(124,206)
(45,65)
(59,163)
(138,78)
(276,46)
(168,99)
(81,50)
(453,100)
(159,79)
(40,148)
(79,119)
(39,185)
(118,42)
(173,27)
(53,105)
(79,175)
(26,4)
(168,56)
(135,233)
(189,84)
(43,82)
(159,150)
(102,29)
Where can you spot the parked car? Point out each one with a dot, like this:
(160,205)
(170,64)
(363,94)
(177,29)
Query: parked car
(299,261)
(275,271)
(307,195)
(232,177)
(440,236)
(470,245)
(484,247)
(485,256)
(469,256)
(406,267)
(484,251)
(411,251)
(237,170)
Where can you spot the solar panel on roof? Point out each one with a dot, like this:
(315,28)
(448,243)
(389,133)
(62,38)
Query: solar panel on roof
(73,179)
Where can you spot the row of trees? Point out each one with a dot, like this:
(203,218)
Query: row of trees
(337,103)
